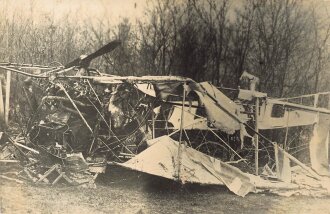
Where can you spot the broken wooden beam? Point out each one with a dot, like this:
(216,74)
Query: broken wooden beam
(22,72)
(58,178)
(300,107)
(11,179)
(121,79)
(28,173)
(47,173)
(75,106)
(7,103)
(2,106)
(9,161)
(25,147)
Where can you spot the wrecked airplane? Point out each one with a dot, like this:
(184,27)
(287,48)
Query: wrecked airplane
(167,126)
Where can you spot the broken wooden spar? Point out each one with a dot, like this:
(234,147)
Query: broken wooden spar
(135,79)
(302,107)
(180,137)
(7,103)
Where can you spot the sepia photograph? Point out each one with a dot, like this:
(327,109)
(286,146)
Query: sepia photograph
(164,106)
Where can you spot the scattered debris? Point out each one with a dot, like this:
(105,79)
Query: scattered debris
(167,126)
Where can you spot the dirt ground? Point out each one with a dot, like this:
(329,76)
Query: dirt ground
(123,191)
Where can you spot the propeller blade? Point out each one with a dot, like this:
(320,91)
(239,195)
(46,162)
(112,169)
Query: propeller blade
(75,62)
(87,59)
(105,49)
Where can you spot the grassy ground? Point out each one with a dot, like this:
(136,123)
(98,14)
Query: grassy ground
(122,191)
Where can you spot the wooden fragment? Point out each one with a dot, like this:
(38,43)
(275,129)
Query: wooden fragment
(25,65)
(58,178)
(181,130)
(287,129)
(25,147)
(256,138)
(18,148)
(276,160)
(301,107)
(47,173)
(143,79)
(8,82)
(9,161)
(67,179)
(11,179)
(22,72)
(27,172)
(2,107)
(153,122)
(316,100)
(75,106)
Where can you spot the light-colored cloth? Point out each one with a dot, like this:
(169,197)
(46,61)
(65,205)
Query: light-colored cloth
(319,146)
(290,118)
(219,107)
(190,120)
(283,168)
(146,88)
(249,95)
(161,159)
(217,116)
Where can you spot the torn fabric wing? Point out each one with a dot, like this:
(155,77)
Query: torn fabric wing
(319,146)
(166,89)
(146,88)
(283,168)
(217,105)
(191,121)
(217,116)
(161,159)
(289,118)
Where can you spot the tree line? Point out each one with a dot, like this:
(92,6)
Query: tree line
(283,42)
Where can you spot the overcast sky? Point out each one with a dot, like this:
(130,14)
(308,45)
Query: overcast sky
(101,9)
(88,9)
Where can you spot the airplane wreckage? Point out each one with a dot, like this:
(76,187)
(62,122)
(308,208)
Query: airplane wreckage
(167,126)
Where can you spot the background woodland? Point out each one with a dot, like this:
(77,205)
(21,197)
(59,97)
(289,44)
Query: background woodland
(283,42)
